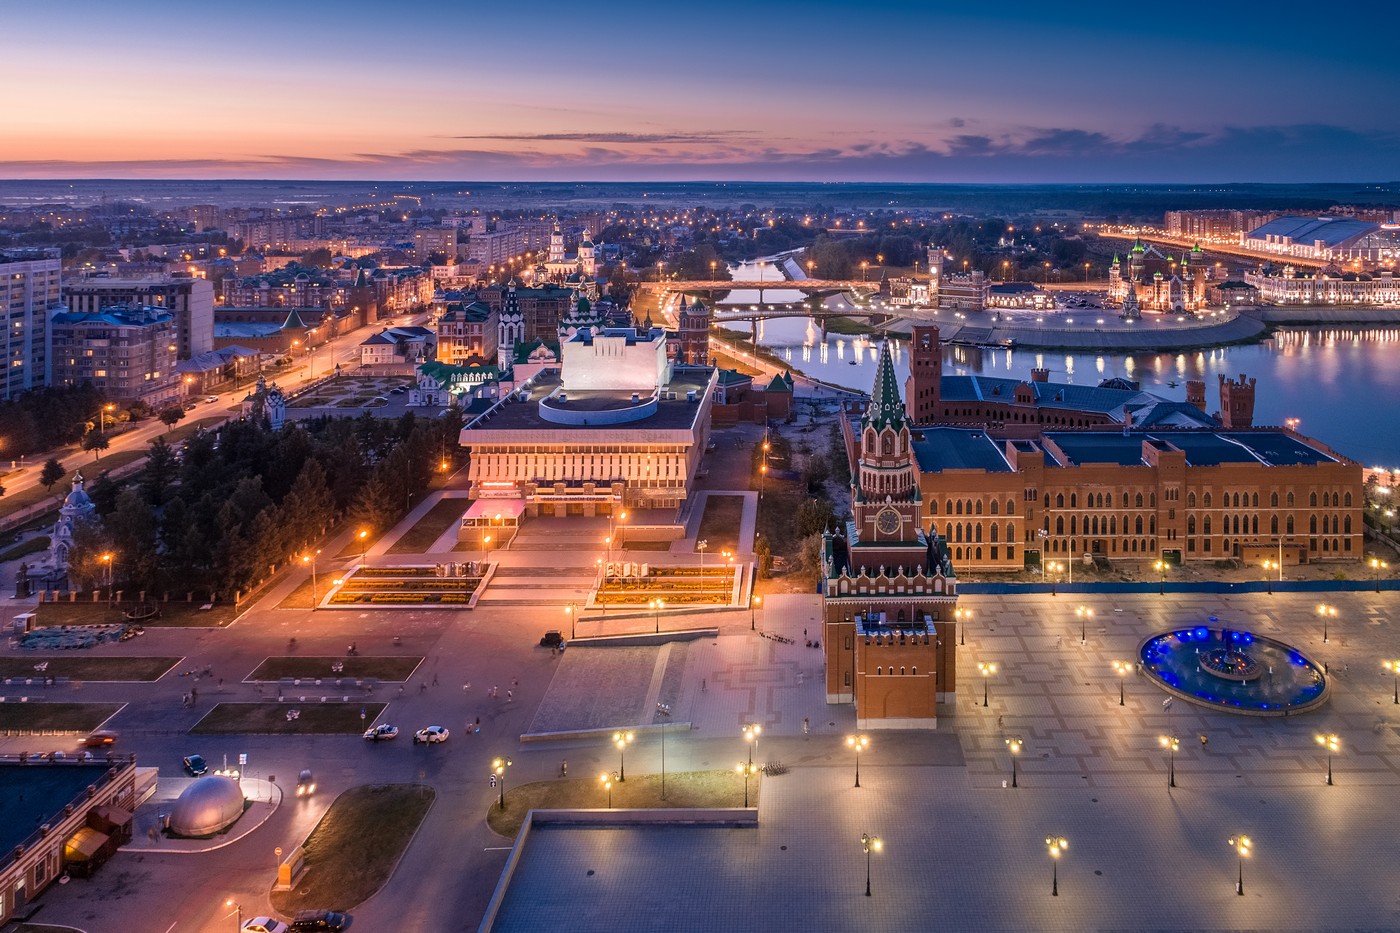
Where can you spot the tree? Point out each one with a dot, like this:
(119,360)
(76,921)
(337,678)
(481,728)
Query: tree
(170,415)
(132,528)
(96,442)
(52,472)
(161,468)
(317,258)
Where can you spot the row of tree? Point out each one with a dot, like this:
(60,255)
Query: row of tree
(221,512)
(44,419)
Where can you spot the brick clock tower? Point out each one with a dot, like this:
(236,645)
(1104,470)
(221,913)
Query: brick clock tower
(888,584)
(924,387)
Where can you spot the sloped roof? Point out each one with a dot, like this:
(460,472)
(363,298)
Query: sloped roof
(1331,231)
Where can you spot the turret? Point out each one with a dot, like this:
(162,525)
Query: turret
(1237,402)
(924,387)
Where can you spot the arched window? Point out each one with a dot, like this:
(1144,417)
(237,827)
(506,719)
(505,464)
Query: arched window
(1290,498)
(914,671)
(1205,499)
(994,530)
(1273,524)
(1254,524)
(1047,500)
(888,444)
(979,506)
(1138,500)
(994,506)
(879,671)
(1290,524)
(1059,500)
(1060,525)
(933,506)
(870,441)
(1152,499)
(1254,500)
(1346,500)
(1011,532)
(1346,524)
(901,671)
(1074,500)
(1190,500)
(1205,525)
(979,553)
(1312,500)
(958,506)
(1190,524)
(1273,500)
(1312,524)
(1010,506)
(1137,525)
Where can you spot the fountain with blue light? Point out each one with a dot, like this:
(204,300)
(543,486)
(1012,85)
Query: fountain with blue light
(1235,671)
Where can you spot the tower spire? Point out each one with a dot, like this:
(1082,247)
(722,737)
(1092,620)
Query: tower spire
(886,407)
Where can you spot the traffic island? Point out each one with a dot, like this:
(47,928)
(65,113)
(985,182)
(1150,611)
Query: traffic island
(354,849)
(25,718)
(302,715)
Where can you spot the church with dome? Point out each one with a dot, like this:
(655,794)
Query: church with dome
(1154,281)
(77,509)
(579,270)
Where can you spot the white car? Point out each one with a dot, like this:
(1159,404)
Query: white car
(264,925)
(381,733)
(431,734)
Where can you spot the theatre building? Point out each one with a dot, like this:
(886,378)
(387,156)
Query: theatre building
(888,585)
(617,425)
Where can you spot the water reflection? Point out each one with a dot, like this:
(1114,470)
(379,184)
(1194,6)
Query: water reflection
(1341,382)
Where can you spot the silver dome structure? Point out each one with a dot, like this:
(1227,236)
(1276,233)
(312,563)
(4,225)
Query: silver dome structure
(208,805)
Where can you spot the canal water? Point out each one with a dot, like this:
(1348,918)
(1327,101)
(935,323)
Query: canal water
(1341,383)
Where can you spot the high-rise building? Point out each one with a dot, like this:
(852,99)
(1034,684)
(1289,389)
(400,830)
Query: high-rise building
(30,292)
(125,351)
(190,299)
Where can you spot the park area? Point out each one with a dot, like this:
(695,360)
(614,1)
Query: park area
(685,789)
(392,669)
(638,585)
(442,585)
(84,667)
(351,392)
(355,847)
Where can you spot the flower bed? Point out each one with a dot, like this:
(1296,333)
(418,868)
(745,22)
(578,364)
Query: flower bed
(393,572)
(412,586)
(641,600)
(398,599)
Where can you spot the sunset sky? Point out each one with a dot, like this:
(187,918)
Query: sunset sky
(814,91)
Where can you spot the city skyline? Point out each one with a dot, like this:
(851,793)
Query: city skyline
(1025,92)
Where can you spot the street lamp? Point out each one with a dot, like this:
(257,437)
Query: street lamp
(1085,614)
(1326,612)
(1122,668)
(1171,743)
(1014,743)
(573,618)
(664,714)
(611,524)
(752,731)
(1268,565)
(656,606)
(1394,668)
(238,912)
(962,615)
(622,740)
(868,844)
(1332,744)
(857,743)
(1161,568)
(107,561)
(607,782)
(987,669)
(702,546)
(1377,565)
(102,417)
(1057,846)
(747,770)
(364,546)
(311,559)
(753,604)
(1055,567)
(498,767)
(1242,847)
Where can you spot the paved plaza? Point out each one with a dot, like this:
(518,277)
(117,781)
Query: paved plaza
(961,850)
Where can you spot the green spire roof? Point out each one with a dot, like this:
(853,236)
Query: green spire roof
(1197,249)
(1138,247)
(886,407)
(294,321)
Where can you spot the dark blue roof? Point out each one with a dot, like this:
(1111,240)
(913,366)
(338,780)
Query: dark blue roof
(1048,394)
(1202,448)
(940,449)
(1332,231)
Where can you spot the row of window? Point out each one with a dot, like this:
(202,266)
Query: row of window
(880,671)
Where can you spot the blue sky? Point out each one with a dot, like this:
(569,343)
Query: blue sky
(820,91)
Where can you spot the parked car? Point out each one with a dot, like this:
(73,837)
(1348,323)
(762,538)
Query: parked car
(212,398)
(552,639)
(430,735)
(103,738)
(195,765)
(381,733)
(313,921)
(306,785)
(264,925)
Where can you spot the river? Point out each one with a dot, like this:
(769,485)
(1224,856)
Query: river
(1341,383)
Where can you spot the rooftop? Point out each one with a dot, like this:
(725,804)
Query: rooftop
(117,316)
(36,793)
(672,413)
(1331,231)
(1202,448)
(1048,394)
(939,449)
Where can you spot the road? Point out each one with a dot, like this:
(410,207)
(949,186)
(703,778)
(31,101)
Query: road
(343,350)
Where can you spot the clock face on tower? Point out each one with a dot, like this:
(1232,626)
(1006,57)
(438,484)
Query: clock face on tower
(887,522)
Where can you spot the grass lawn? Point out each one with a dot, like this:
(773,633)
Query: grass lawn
(300,598)
(54,717)
(271,718)
(720,523)
(848,326)
(698,789)
(173,614)
(446,514)
(355,847)
(394,669)
(88,668)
